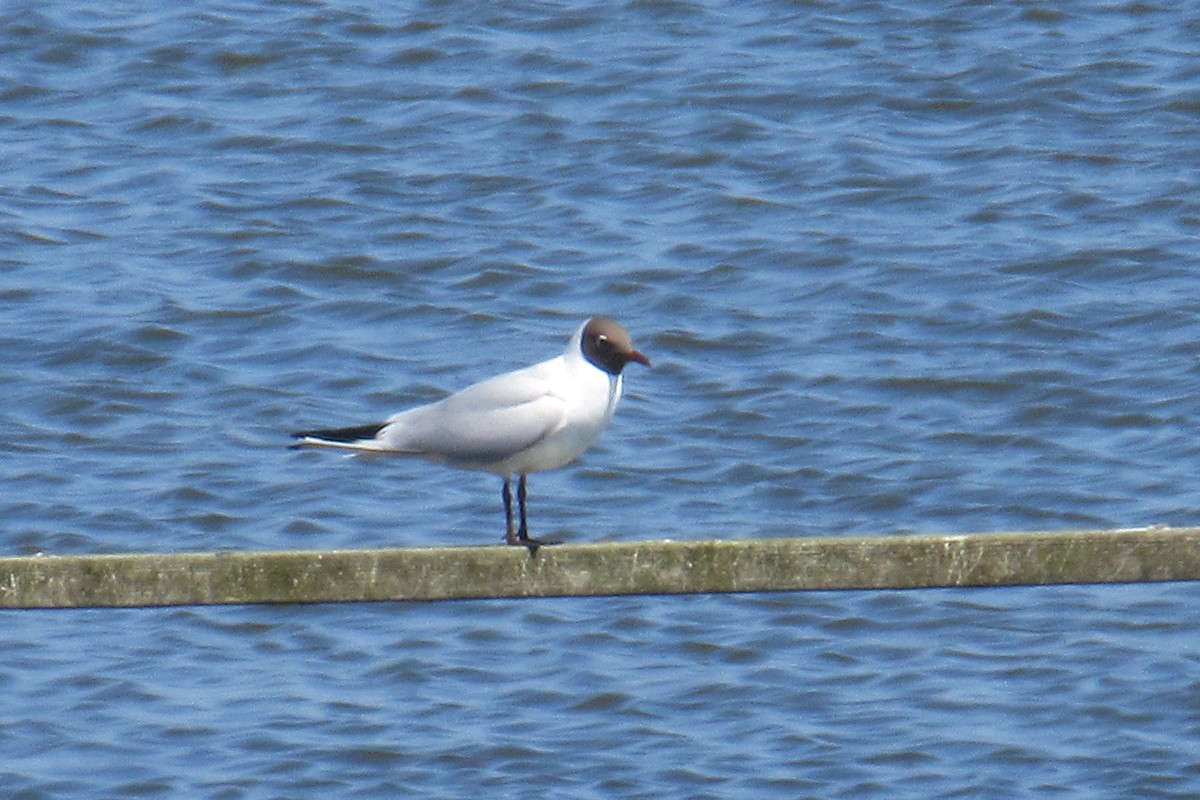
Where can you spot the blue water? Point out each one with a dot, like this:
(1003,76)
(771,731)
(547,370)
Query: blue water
(897,271)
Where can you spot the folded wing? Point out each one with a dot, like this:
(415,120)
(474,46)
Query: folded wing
(484,424)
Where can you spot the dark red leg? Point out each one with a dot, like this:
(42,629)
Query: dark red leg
(510,534)
(523,533)
(522,536)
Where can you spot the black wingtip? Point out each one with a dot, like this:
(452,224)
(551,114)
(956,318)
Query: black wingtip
(342,435)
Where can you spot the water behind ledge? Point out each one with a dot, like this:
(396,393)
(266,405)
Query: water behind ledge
(898,271)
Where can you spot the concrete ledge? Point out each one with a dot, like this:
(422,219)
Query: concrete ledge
(611,568)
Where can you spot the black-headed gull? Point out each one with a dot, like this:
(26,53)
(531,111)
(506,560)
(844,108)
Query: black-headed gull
(533,419)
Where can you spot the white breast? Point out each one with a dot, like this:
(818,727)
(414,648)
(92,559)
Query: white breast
(590,399)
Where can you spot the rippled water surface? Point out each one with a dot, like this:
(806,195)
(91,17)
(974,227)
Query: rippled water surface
(897,271)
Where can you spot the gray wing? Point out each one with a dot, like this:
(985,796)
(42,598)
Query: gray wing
(483,424)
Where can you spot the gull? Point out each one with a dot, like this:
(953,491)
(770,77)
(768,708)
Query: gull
(530,420)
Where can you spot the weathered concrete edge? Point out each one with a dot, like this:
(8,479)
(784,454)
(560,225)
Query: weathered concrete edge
(611,568)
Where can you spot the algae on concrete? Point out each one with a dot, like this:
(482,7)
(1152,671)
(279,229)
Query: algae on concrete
(611,568)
